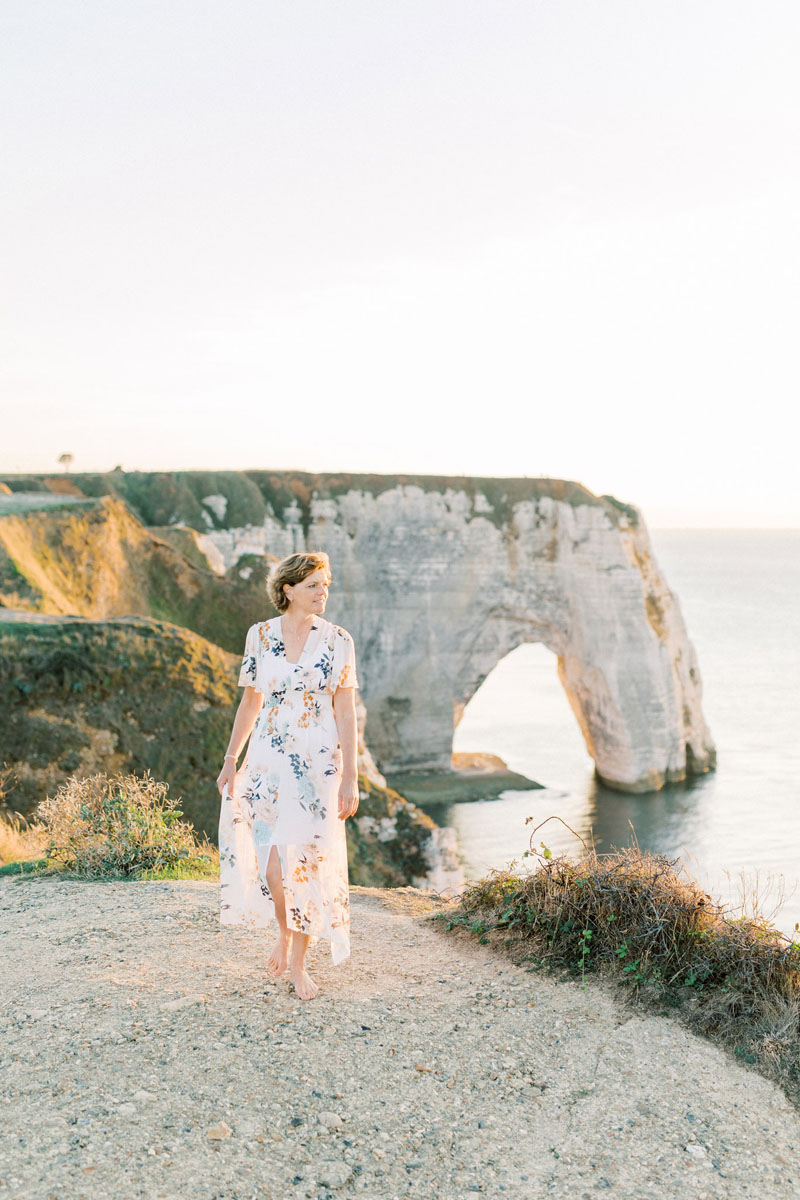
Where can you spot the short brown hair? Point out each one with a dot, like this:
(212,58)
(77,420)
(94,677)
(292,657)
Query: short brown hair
(294,569)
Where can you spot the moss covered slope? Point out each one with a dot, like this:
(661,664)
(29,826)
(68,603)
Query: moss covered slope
(134,694)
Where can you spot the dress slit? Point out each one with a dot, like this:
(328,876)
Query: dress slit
(282,867)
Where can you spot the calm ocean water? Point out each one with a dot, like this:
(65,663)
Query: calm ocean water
(738,592)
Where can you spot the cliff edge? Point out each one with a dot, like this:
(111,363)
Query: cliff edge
(147,1052)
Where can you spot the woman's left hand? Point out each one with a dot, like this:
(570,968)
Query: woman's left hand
(348,797)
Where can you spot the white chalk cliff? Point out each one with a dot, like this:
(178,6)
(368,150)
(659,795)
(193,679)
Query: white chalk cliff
(438,583)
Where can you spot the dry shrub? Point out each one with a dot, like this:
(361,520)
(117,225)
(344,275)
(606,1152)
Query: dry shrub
(20,839)
(637,919)
(123,825)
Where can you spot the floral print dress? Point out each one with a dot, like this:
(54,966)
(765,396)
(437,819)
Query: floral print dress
(286,793)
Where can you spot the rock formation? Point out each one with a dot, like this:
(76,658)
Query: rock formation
(438,583)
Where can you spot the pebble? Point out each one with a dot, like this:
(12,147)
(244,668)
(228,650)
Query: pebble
(330,1120)
(334,1173)
(216,1133)
(181,1002)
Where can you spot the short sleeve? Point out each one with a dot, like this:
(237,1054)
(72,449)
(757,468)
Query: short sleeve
(344,661)
(248,672)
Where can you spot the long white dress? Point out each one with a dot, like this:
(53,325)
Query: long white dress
(286,792)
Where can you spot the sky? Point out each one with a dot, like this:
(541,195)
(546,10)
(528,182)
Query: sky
(551,238)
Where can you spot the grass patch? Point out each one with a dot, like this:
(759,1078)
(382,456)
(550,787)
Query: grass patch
(128,694)
(122,826)
(25,866)
(634,918)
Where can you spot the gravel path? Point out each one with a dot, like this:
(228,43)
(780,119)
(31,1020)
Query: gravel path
(146,1053)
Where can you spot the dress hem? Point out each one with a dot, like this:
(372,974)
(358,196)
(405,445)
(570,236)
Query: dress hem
(254,908)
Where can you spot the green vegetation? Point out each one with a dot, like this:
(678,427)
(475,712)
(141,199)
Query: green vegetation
(170,497)
(391,863)
(632,918)
(166,498)
(124,826)
(127,694)
(628,510)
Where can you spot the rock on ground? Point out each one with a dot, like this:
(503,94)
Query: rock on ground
(147,1053)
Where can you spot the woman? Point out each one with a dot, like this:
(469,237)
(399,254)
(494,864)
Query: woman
(282,843)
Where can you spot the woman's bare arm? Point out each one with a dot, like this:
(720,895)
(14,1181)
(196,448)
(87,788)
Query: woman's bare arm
(249,708)
(344,710)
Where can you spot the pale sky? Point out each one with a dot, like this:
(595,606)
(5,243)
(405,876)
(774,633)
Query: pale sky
(499,238)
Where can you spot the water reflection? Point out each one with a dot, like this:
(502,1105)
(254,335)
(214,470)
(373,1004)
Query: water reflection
(683,821)
(665,822)
(492,833)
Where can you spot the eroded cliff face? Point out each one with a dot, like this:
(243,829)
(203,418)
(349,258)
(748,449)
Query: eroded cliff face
(438,585)
(438,579)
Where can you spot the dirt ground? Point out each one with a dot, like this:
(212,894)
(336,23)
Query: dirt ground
(147,1053)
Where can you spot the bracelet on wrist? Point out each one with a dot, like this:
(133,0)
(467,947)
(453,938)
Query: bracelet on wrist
(233,756)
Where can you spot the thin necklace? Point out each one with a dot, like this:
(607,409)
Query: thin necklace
(294,634)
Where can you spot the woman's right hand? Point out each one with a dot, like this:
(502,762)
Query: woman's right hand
(227,776)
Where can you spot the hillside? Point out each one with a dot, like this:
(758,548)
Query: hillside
(96,559)
(134,694)
(81,696)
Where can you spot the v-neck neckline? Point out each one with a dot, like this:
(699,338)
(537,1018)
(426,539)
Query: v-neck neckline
(306,643)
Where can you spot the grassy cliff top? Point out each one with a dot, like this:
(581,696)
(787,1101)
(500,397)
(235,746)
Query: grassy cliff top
(247,497)
(94,558)
(442,1065)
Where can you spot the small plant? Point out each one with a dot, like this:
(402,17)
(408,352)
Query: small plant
(633,972)
(124,825)
(583,951)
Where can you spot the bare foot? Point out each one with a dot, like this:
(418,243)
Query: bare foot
(278,960)
(303,983)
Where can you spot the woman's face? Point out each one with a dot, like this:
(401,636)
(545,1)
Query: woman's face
(311,594)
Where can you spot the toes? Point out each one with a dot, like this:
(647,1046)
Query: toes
(305,988)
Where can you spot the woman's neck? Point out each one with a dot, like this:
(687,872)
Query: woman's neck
(296,622)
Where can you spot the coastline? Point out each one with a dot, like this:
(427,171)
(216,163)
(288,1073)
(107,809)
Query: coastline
(147,1047)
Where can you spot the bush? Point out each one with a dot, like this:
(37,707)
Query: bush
(634,918)
(120,826)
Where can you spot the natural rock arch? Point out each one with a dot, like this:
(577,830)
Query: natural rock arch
(439,579)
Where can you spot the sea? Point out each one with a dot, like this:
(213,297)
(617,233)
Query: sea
(736,830)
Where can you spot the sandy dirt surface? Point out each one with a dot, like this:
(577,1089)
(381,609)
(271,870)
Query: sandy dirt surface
(146,1053)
